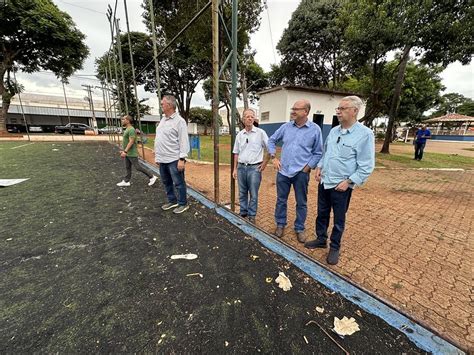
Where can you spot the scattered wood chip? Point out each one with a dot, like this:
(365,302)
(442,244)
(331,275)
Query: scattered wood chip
(226,343)
(196,274)
(345,326)
(184,256)
(320,309)
(268,280)
(359,313)
(305,339)
(254,257)
(283,281)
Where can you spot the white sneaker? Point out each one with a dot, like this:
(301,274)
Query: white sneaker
(123,183)
(152,180)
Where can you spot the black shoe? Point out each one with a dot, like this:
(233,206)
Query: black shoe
(279,231)
(316,243)
(251,219)
(333,257)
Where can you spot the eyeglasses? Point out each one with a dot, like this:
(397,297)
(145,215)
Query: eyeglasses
(297,108)
(343,108)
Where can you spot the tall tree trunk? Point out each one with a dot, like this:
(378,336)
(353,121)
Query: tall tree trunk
(392,115)
(6,97)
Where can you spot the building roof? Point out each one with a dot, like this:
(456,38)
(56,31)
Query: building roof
(309,89)
(450,117)
(54,111)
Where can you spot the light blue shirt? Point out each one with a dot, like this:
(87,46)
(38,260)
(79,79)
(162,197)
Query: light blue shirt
(348,154)
(301,146)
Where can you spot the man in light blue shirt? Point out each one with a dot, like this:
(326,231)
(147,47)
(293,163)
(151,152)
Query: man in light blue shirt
(301,152)
(348,160)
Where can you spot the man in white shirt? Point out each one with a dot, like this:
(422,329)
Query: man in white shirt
(171,151)
(249,164)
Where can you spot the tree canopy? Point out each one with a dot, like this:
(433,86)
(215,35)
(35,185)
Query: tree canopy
(35,35)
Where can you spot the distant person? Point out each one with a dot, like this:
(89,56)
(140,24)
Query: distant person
(348,160)
(249,163)
(421,135)
(301,152)
(171,151)
(129,153)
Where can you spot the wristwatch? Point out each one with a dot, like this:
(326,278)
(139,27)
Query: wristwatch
(350,181)
(182,159)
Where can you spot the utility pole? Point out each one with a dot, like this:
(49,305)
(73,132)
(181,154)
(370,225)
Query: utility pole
(67,108)
(21,105)
(155,55)
(233,97)
(88,88)
(111,18)
(119,49)
(133,76)
(215,94)
(105,104)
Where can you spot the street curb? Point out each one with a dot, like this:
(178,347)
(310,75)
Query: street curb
(424,338)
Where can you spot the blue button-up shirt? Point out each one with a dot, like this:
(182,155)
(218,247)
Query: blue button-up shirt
(348,154)
(301,146)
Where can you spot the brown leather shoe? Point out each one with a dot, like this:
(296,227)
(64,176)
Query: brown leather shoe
(279,231)
(301,236)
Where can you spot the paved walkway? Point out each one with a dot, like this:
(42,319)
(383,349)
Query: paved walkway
(409,239)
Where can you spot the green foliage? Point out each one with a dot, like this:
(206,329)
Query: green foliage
(142,51)
(311,46)
(454,102)
(35,35)
(201,116)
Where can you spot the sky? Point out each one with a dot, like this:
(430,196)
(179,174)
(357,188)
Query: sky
(90,18)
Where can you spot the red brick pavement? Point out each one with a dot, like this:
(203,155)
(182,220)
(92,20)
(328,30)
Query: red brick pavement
(408,239)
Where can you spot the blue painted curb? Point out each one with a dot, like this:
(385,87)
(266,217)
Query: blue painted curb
(422,337)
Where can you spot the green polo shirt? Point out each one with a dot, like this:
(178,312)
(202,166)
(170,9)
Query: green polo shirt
(130,133)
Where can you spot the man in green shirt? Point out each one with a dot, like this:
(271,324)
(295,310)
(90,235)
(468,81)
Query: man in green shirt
(129,153)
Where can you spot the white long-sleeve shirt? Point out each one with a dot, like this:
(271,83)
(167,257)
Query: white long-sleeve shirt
(171,140)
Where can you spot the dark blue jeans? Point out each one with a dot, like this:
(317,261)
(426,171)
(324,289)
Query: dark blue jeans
(339,203)
(419,147)
(300,185)
(172,178)
(249,178)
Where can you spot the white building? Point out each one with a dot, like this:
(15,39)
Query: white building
(275,105)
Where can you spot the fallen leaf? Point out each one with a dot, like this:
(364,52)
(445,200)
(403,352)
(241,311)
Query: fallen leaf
(184,256)
(268,280)
(226,343)
(254,257)
(283,282)
(320,309)
(359,313)
(8,239)
(345,326)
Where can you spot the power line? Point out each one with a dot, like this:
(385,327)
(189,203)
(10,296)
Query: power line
(82,7)
(270,29)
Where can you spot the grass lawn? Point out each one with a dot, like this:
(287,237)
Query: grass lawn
(430,160)
(399,160)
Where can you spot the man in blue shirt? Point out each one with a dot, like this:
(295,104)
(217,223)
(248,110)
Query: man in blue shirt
(421,136)
(348,160)
(301,152)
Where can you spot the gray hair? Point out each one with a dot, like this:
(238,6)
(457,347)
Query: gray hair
(355,101)
(249,110)
(171,100)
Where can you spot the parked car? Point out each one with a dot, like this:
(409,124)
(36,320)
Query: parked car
(76,128)
(110,130)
